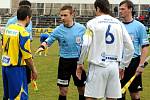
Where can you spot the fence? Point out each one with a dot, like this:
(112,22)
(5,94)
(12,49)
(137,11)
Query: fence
(47,23)
(43,24)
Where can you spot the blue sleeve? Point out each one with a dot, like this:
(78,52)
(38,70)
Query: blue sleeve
(143,36)
(53,36)
(8,23)
(29,27)
(11,21)
(83,32)
(84,29)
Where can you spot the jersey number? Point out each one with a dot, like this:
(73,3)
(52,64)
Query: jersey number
(7,46)
(109,36)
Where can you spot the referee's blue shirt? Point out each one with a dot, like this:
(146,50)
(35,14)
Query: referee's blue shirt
(138,34)
(69,39)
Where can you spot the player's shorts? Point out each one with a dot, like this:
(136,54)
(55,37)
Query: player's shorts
(15,83)
(103,81)
(136,85)
(66,68)
(43,37)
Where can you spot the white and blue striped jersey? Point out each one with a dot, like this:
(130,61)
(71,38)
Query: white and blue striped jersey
(13,20)
(106,39)
(69,39)
(138,34)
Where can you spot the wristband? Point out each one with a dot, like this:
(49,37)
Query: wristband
(142,66)
(146,63)
(42,46)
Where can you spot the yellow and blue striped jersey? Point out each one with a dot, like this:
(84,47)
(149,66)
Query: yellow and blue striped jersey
(16,46)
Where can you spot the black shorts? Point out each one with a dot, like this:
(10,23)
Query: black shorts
(136,85)
(66,68)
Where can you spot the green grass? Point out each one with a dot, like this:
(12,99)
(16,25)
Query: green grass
(47,77)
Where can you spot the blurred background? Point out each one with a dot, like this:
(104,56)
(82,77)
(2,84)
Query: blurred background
(46,12)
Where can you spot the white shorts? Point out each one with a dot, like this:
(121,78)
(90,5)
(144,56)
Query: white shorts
(103,81)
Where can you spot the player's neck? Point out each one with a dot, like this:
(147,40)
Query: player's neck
(100,14)
(128,19)
(21,23)
(69,24)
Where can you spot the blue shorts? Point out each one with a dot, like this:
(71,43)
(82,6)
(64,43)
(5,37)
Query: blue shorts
(15,82)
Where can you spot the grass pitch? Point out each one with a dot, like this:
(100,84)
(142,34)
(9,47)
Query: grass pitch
(47,77)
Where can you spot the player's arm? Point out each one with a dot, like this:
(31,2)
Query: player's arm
(32,67)
(8,23)
(26,54)
(42,47)
(144,53)
(87,38)
(47,42)
(144,49)
(29,30)
(11,21)
(128,49)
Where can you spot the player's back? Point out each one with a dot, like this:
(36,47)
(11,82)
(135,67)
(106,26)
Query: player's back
(15,40)
(107,37)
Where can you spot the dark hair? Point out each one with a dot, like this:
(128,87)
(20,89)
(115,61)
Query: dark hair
(103,5)
(24,3)
(23,12)
(129,4)
(66,7)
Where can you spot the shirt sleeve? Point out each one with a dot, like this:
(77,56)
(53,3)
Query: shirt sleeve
(128,49)
(143,36)
(29,29)
(87,39)
(11,21)
(52,37)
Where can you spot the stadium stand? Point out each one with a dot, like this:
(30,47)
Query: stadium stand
(53,21)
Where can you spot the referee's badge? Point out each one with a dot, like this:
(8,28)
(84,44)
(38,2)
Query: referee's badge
(78,40)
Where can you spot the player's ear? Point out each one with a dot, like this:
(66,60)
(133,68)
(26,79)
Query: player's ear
(28,18)
(72,12)
(97,9)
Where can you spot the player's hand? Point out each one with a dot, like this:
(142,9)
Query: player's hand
(34,74)
(139,70)
(79,71)
(40,49)
(121,73)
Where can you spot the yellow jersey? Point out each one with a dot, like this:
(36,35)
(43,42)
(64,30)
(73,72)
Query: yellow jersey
(16,46)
